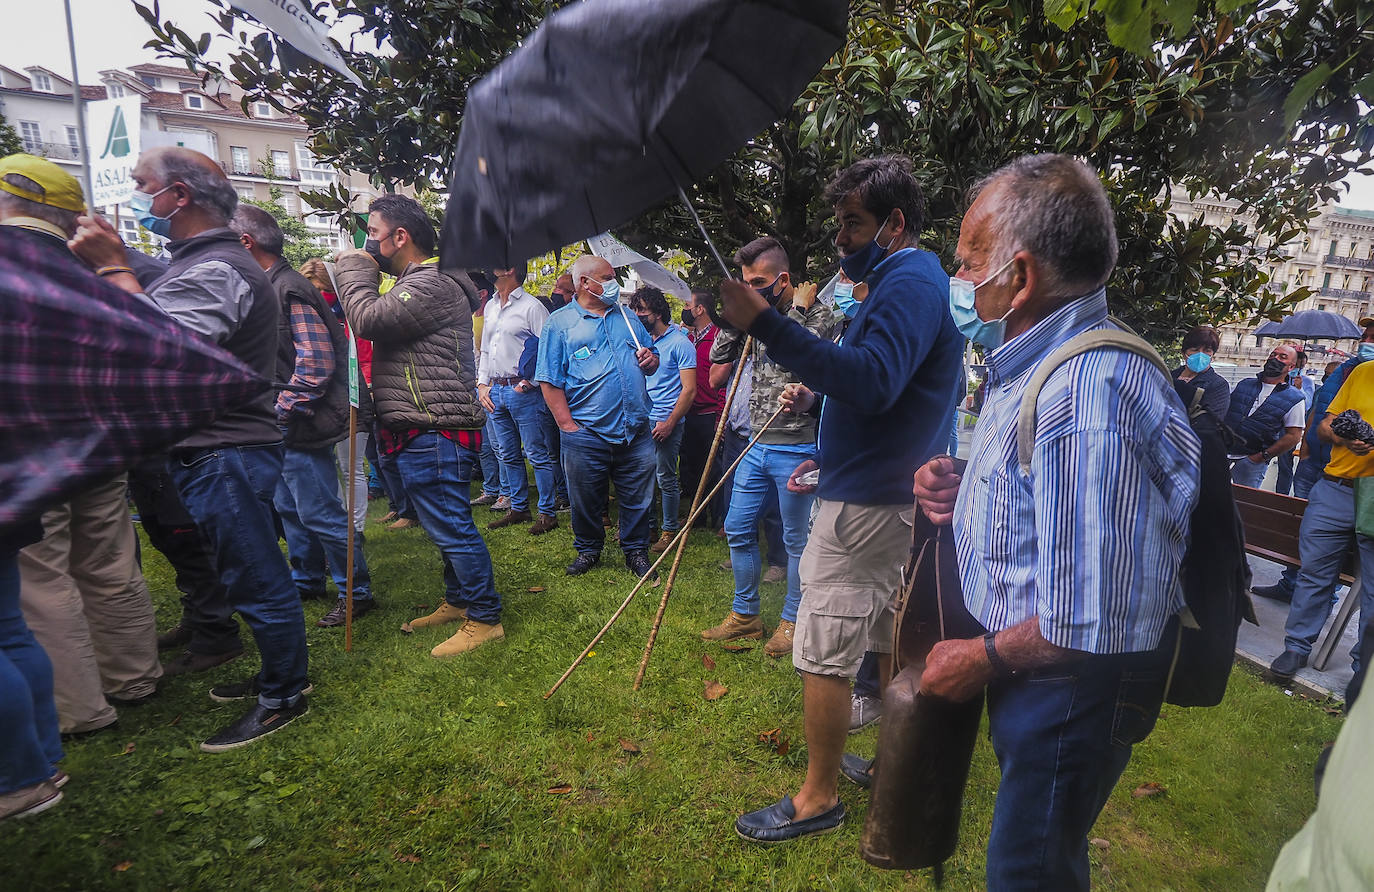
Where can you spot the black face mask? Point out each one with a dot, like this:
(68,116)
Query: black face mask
(646,321)
(374,248)
(772,293)
(688,319)
(1274,367)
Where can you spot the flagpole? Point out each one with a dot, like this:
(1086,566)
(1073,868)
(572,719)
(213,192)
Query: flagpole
(85,148)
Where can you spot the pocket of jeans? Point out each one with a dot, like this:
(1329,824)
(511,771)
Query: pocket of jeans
(1137,707)
(198,459)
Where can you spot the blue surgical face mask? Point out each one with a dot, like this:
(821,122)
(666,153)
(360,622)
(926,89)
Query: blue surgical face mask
(844,299)
(858,265)
(1365,352)
(1199,362)
(141,203)
(965,313)
(610,292)
(1295,374)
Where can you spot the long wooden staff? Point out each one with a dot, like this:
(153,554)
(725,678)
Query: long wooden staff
(352,479)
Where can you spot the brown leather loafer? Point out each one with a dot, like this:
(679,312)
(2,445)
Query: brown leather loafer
(510,518)
(544,524)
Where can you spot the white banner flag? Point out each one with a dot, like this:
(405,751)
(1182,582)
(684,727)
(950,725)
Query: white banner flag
(617,254)
(292,21)
(113,128)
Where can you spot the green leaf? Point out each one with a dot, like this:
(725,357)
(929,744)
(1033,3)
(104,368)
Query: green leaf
(1302,93)
(1365,88)
(1064,12)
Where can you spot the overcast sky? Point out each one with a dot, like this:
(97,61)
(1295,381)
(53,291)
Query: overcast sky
(110,34)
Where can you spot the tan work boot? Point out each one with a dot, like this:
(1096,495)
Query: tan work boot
(401,523)
(736,625)
(663,542)
(775,574)
(781,642)
(471,636)
(446,613)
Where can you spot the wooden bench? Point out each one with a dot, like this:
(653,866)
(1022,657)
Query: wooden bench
(1272,522)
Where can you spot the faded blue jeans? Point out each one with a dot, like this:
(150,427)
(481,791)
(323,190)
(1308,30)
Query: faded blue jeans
(316,524)
(518,424)
(30,746)
(669,485)
(1248,473)
(764,470)
(1328,525)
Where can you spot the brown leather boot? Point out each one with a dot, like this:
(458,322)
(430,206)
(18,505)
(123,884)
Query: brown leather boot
(664,541)
(544,524)
(736,625)
(781,642)
(510,518)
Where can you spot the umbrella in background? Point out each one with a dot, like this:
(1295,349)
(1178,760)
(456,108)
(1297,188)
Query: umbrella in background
(1311,325)
(1266,330)
(610,106)
(92,379)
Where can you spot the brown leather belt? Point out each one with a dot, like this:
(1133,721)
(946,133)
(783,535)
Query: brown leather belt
(1343,481)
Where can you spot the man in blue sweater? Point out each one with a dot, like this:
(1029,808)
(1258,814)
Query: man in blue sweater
(886,394)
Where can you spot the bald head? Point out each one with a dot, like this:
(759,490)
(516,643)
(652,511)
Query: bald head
(207,188)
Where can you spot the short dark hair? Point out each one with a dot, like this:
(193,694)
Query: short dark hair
(750,253)
(406,213)
(252,220)
(522,271)
(1302,359)
(1204,337)
(653,300)
(882,184)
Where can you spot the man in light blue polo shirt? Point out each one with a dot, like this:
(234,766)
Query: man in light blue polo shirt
(671,391)
(593,359)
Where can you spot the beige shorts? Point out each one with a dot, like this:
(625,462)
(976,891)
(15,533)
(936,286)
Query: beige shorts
(851,571)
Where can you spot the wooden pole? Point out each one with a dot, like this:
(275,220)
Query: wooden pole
(352,496)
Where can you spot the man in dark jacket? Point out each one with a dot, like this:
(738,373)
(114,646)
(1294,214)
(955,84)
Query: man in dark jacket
(312,409)
(1267,414)
(226,473)
(424,389)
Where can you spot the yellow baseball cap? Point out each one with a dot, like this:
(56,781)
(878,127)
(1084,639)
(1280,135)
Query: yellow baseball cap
(56,187)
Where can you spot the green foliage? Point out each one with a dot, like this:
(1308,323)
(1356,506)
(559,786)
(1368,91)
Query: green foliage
(1256,102)
(10,142)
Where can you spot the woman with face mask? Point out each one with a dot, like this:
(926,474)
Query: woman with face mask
(1199,346)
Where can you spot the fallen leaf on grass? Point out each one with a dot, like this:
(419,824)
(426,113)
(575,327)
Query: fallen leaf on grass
(175,721)
(123,866)
(409,859)
(590,737)
(483,845)
(735,648)
(708,662)
(560,790)
(535,588)
(715,690)
(1332,710)
(775,740)
(1098,842)
(628,745)
(128,748)
(1148,789)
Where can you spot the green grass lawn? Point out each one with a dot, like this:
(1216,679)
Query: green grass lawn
(410,773)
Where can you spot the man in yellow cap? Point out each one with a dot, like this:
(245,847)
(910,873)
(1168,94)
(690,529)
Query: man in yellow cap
(82,592)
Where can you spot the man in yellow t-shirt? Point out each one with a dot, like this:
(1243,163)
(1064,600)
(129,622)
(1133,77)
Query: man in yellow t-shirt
(1326,529)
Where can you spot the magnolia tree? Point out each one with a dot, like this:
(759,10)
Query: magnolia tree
(1265,103)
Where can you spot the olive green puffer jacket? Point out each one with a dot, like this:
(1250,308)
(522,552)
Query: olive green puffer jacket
(424,372)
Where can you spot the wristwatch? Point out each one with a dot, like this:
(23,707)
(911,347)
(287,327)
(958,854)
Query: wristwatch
(1000,669)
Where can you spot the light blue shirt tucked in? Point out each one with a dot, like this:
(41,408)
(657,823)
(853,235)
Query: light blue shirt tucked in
(675,353)
(1090,542)
(591,358)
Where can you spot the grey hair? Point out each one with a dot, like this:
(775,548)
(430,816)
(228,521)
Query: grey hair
(582,266)
(1055,207)
(12,205)
(212,193)
(266,232)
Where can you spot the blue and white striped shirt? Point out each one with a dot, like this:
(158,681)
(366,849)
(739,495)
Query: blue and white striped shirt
(1091,541)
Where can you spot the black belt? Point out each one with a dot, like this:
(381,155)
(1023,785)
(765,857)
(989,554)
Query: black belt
(507,382)
(1343,481)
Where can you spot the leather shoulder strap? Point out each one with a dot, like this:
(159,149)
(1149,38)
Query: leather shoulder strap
(1083,343)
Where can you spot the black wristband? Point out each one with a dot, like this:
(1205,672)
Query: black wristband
(999,666)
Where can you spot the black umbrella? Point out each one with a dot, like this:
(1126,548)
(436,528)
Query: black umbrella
(610,106)
(1312,325)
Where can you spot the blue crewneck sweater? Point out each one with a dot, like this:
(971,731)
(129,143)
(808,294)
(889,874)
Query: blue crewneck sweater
(889,388)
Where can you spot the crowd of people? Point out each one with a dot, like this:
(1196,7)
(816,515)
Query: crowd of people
(847,402)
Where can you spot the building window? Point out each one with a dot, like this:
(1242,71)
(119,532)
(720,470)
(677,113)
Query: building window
(151,80)
(194,101)
(239,162)
(1332,252)
(262,109)
(281,163)
(1345,283)
(1326,280)
(245,192)
(288,201)
(32,137)
(312,169)
(183,86)
(115,91)
(74,142)
(42,83)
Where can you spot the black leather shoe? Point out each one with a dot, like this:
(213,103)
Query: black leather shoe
(778,823)
(176,636)
(1276,592)
(1287,664)
(336,616)
(187,661)
(582,563)
(242,690)
(857,769)
(638,563)
(255,724)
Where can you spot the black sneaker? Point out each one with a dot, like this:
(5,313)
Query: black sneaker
(1286,665)
(337,616)
(561,504)
(255,723)
(582,563)
(639,564)
(242,690)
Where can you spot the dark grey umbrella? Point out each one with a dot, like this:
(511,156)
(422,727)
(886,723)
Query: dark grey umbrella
(610,106)
(1266,330)
(1312,325)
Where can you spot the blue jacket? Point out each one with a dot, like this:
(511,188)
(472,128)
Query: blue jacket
(889,388)
(1259,430)
(1318,450)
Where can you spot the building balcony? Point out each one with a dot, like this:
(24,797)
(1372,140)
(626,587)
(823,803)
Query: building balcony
(1350,262)
(1344,293)
(235,170)
(53,151)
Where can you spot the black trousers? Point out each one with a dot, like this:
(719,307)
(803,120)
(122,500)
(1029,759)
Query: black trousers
(697,433)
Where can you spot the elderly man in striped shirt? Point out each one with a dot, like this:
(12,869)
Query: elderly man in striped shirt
(1073,567)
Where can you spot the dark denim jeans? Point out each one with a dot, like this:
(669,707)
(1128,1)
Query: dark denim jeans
(30,746)
(669,486)
(1062,736)
(316,524)
(553,445)
(591,465)
(394,486)
(228,492)
(493,477)
(518,425)
(438,477)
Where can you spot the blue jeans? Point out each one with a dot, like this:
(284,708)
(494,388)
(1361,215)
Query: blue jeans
(554,447)
(493,480)
(1304,478)
(438,476)
(1328,525)
(316,524)
(30,746)
(1284,485)
(766,469)
(1062,736)
(228,492)
(517,423)
(395,487)
(731,445)
(591,465)
(866,682)
(669,486)
(1248,473)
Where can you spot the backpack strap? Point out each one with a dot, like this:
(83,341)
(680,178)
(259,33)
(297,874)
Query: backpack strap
(1083,343)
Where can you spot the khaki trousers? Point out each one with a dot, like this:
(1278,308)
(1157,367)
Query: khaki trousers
(84,597)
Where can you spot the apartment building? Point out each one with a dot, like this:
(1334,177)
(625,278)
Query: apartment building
(1334,258)
(259,147)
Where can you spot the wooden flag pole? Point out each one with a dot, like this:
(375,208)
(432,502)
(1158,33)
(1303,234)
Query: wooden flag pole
(352,496)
